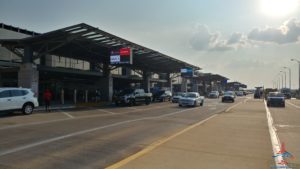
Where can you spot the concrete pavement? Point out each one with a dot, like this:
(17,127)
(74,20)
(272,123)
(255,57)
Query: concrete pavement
(238,138)
(287,124)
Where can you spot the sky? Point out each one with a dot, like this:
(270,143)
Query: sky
(249,41)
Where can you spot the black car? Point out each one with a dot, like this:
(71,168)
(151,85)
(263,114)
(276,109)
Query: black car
(276,99)
(228,96)
(163,95)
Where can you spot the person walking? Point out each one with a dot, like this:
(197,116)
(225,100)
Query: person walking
(47,99)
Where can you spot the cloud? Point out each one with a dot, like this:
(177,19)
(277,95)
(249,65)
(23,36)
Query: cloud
(288,32)
(204,39)
(201,38)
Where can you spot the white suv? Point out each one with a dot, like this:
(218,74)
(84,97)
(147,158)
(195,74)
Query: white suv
(17,99)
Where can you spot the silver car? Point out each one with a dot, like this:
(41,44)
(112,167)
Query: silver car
(191,99)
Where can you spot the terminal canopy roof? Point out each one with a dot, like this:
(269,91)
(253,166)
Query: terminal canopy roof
(212,77)
(85,42)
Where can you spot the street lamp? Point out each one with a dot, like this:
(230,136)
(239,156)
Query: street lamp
(281,79)
(284,78)
(290,77)
(299,73)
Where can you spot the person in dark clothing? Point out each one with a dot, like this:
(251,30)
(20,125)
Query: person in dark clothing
(47,99)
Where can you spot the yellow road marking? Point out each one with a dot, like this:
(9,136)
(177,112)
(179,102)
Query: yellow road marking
(155,145)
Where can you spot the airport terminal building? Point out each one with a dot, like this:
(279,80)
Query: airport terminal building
(76,64)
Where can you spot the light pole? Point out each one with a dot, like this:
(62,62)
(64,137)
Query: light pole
(284,78)
(290,77)
(281,79)
(299,73)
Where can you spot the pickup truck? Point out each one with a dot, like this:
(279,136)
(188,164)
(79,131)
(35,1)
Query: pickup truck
(133,96)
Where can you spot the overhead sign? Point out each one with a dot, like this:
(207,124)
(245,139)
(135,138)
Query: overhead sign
(122,56)
(187,72)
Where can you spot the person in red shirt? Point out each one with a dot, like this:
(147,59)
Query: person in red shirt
(47,98)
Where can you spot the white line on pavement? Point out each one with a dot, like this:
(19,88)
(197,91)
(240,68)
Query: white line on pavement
(227,110)
(274,138)
(67,114)
(156,144)
(2,153)
(83,117)
(105,111)
(298,107)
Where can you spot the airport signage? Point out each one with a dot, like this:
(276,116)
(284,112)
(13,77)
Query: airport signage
(122,56)
(187,72)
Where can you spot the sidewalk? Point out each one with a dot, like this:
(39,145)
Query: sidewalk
(237,139)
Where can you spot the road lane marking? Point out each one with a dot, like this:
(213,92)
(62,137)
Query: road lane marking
(6,152)
(274,137)
(83,117)
(105,111)
(228,109)
(67,114)
(298,107)
(155,145)
(286,126)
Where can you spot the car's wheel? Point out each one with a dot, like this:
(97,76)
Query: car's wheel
(131,102)
(201,104)
(27,108)
(147,101)
(232,101)
(180,105)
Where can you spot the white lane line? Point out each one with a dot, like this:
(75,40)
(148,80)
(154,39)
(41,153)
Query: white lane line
(132,108)
(105,111)
(228,109)
(83,117)
(286,126)
(156,144)
(2,153)
(67,114)
(274,138)
(298,107)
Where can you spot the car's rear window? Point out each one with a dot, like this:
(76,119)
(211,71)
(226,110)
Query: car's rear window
(276,95)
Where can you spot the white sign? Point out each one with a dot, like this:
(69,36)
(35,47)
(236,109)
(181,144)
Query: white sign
(183,70)
(115,59)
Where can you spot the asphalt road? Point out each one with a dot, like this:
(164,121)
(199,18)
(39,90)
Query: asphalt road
(287,123)
(93,138)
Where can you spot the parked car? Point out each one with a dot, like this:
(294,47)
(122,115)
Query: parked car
(228,96)
(18,99)
(177,96)
(191,99)
(276,99)
(163,95)
(239,93)
(214,94)
(132,96)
